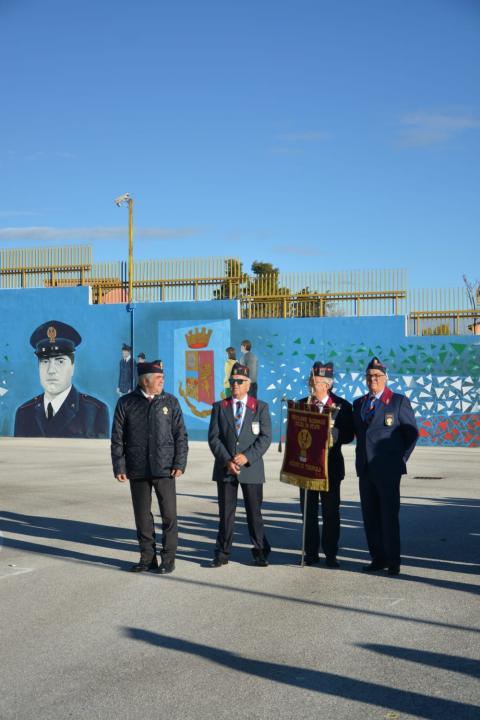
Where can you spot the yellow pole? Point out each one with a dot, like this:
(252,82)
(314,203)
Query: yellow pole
(130,249)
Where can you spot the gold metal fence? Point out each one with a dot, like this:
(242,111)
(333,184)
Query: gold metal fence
(434,311)
(442,311)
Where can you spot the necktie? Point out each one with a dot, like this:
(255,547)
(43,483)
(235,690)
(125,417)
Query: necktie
(238,417)
(370,412)
(49,411)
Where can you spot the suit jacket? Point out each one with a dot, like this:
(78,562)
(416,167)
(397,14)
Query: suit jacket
(79,416)
(254,439)
(342,433)
(126,368)
(388,440)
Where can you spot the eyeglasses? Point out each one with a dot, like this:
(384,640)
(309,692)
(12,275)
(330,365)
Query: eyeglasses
(236,381)
(375,377)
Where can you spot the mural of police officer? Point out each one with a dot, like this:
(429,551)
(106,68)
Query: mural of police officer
(61,411)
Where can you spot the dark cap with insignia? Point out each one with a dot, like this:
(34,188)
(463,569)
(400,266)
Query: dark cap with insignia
(54,338)
(141,355)
(239,369)
(321,370)
(126,347)
(376,364)
(149,367)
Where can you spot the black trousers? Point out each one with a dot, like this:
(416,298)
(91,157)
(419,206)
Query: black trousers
(380,498)
(227,505)
(141,491)
(330,521)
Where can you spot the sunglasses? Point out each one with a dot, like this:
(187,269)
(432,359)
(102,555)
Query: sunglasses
(236,381)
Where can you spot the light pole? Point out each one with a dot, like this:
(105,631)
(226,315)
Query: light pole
(119,201)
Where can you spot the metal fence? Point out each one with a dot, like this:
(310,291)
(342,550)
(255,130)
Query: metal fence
(441,311)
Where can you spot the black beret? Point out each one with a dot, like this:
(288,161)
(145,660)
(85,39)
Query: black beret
(376,364)
(321,370)
(149,367)
(239,369)
(54,338)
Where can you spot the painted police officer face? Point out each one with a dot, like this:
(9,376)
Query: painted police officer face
(55,373)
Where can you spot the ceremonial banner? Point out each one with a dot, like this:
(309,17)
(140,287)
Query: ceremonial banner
(305,462)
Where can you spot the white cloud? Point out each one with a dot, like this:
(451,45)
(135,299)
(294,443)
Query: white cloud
(422,128)
(86,234)
(304,250)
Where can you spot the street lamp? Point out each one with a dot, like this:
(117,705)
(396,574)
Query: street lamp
(119,201)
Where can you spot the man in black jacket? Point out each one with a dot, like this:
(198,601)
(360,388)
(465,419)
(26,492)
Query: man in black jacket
(320,383)
(239,435)
(149,448)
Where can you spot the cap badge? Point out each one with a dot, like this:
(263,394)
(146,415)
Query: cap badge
(51,334)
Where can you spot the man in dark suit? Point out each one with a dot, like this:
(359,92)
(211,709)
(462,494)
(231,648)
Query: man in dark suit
(61,411)
(386,433)
(240,433)
(321,397)
(127,371)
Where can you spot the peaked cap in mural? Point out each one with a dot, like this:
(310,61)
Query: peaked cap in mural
(54,338)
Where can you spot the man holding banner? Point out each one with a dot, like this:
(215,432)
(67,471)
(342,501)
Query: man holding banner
(323,474)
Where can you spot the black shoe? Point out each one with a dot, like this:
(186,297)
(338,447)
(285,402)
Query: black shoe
(218,562)
(332,562)
(260,560)
(166,567)
(311,560)
(145,565)
(374,566)
(393,570)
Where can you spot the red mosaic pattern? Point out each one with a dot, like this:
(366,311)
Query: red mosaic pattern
(451,430)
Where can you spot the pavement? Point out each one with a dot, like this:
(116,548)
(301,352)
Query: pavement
(81,638)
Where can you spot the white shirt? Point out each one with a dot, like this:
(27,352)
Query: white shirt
(149,397)
(56,401)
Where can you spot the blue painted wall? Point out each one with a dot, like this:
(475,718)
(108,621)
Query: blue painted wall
(440,374)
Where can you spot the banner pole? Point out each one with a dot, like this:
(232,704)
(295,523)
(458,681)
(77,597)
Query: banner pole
(305,500)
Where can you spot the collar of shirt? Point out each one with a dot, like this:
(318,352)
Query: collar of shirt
(56,401)
(146,394)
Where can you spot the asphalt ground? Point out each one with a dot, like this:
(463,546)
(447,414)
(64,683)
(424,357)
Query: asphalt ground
(82,638)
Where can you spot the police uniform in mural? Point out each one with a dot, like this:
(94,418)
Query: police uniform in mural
(126,368)
(61,411)
(321,381)
(240,433)
(386,433)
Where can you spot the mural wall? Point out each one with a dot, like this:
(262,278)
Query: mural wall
(441,376)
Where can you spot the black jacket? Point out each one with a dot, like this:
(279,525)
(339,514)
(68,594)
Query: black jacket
(79,416)
(149,438)
(342,433)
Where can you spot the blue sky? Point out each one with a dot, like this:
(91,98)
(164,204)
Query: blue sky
(311,134)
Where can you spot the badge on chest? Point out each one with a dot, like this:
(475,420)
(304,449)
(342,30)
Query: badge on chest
(389,419)
(255,427)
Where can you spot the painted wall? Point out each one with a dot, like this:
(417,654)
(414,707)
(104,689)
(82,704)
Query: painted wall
(440,375)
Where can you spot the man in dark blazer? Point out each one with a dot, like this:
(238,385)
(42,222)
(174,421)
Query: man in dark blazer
(321,397)
(61,411)
(240,433)
(127,371)
(386,432)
